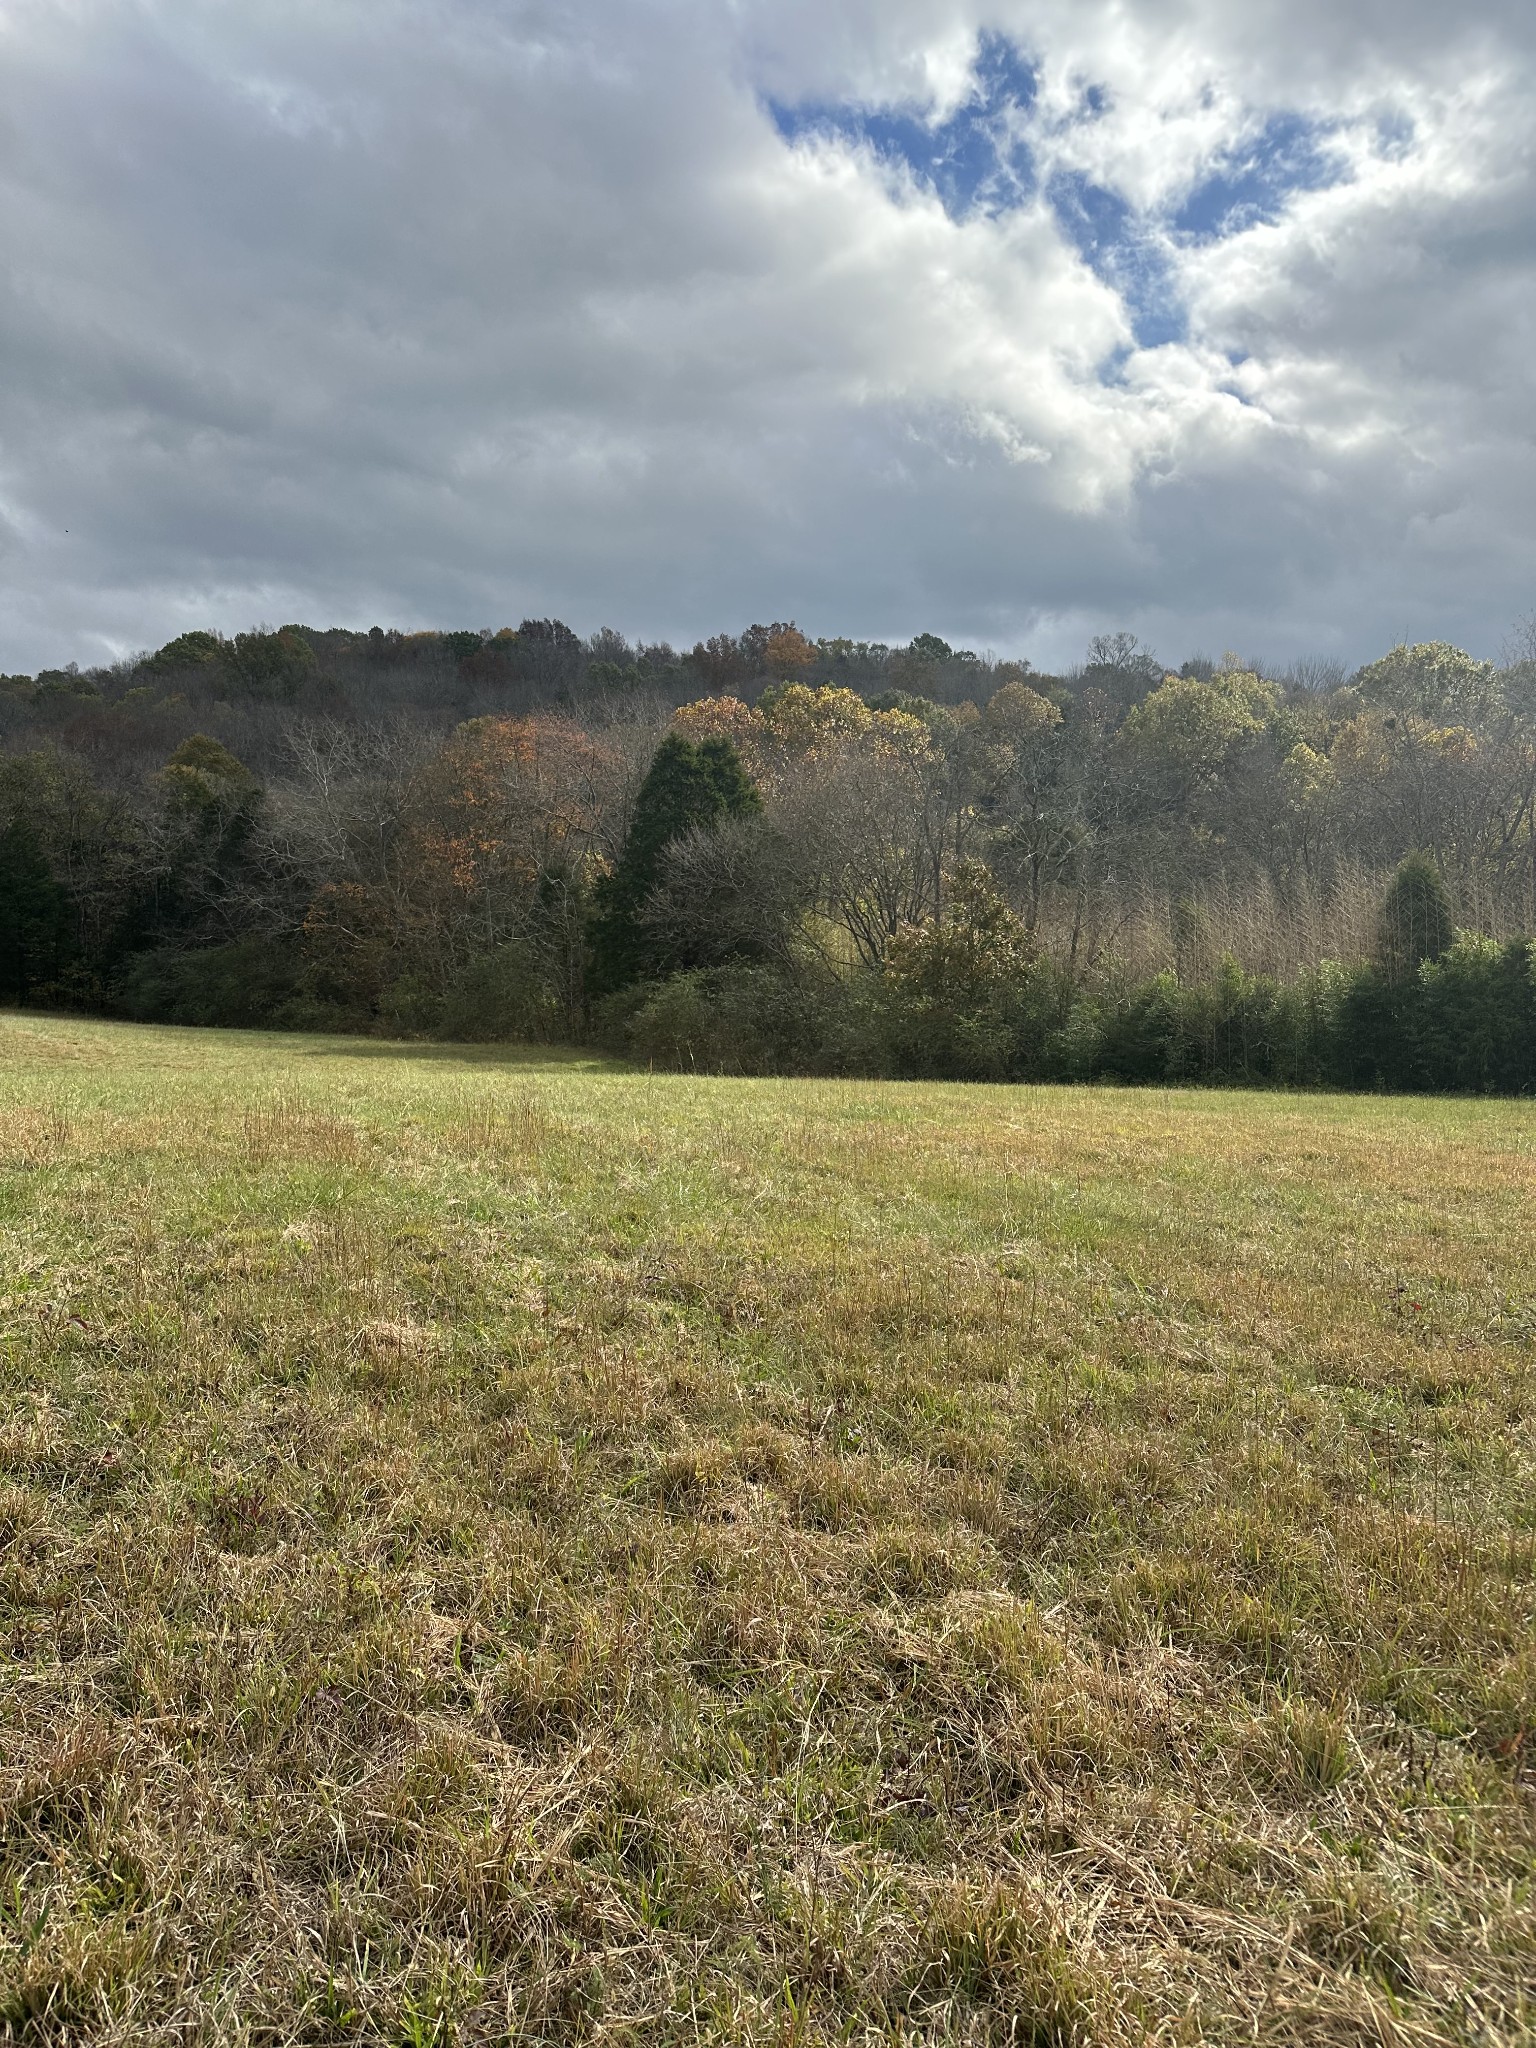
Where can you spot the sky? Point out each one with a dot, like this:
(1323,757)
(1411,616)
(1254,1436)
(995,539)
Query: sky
(1015,323)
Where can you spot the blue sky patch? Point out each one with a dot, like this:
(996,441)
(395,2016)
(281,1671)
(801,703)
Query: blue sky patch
(974,161)
(1114,243)
(1250,185)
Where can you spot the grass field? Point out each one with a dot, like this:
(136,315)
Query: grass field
(497,1548)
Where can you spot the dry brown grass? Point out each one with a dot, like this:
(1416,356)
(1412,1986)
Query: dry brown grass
(499,1549)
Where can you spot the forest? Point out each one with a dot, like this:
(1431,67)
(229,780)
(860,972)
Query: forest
(773,854)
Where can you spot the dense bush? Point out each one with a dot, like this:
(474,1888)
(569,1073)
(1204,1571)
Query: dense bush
(955,990)
(1473,1019)
(741,1019)
(248,983)
(502,995)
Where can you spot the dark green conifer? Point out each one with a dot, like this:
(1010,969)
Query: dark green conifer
(1416,923)
(733,785)
(1381,1024)
(685,787)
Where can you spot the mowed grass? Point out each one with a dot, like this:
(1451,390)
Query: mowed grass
(498,1548)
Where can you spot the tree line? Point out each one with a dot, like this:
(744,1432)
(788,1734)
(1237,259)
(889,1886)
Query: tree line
(773,853)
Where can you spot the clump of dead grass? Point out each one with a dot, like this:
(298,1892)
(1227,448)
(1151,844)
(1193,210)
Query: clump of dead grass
(289,1129)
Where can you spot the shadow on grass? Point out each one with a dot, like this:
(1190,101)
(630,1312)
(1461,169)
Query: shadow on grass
(441,1054)
(336,1045)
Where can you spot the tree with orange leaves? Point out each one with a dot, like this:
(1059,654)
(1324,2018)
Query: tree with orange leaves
(787,654)
(512,830)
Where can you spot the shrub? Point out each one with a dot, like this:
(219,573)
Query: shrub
(504,994)
(718,1020)
(1142,1036)
(1308,1015)
(1231,1028)
(952,986)
(1474,1019)
(248,983)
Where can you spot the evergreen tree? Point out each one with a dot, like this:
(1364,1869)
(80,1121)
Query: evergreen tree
(727,772)
(685,787)
(1416,923)
(1382,1019)
(34,916)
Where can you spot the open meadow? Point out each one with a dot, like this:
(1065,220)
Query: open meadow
(494,1547)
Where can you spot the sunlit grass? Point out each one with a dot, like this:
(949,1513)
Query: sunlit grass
(500,1547)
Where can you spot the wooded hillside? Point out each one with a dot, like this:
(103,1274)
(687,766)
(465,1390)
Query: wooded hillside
(772,852)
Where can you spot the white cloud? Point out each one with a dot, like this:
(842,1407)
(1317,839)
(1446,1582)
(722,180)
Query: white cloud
(443,313)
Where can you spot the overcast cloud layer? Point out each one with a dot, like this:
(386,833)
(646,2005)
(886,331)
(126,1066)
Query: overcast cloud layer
(1012,323)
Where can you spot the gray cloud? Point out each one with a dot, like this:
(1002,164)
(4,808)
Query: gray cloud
(442,313)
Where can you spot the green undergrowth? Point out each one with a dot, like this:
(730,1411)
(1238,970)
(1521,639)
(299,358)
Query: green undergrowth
(501,1548)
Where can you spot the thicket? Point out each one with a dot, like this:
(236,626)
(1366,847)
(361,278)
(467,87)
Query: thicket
(777,855)
(964,997)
